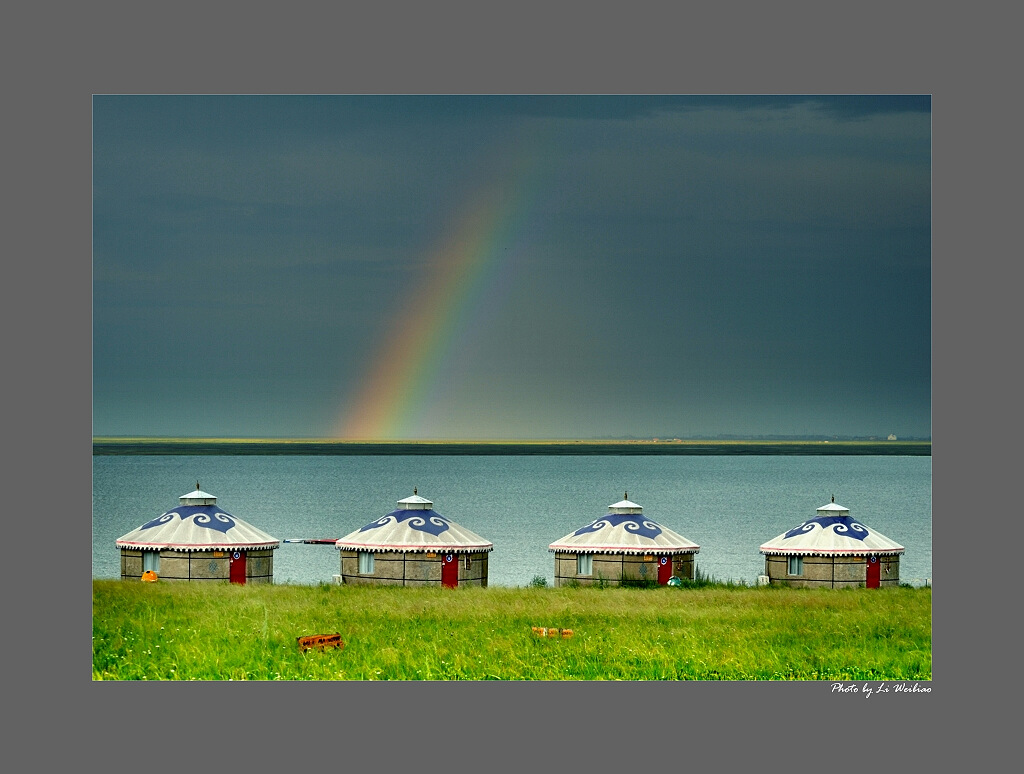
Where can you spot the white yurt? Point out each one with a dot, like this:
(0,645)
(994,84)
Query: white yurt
(414,545)
(623,547)
(198,541)
(832,550)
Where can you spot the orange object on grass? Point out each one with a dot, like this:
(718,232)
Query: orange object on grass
(546,631)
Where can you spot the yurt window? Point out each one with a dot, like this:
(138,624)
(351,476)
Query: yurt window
(584,564)
(796,565)
(151,561)
(366,563)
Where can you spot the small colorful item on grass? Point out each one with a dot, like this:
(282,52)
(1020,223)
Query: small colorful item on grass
(545,631)
(320,641)
(149,576)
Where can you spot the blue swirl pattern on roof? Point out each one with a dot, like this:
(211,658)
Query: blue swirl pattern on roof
(843,525)
(424,521)
(207,516)
(628,521)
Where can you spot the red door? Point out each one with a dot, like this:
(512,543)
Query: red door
(664,569)
(450,571)
(874,575)
(237,573)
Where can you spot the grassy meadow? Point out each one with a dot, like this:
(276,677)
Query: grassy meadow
(197,631)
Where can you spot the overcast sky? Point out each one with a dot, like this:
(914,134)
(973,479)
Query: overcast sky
(407,267)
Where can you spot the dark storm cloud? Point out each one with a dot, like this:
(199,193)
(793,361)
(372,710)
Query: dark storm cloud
(690,265)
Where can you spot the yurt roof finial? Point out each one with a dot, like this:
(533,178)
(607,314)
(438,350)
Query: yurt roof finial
(833,498)
(415,502)
(415,492)
(625,495)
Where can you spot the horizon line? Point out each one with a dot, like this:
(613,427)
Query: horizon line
(673,440)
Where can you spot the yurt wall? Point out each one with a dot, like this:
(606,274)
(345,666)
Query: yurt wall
(419,568)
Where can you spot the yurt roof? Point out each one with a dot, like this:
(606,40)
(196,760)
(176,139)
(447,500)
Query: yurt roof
(832,532)
(413,527)
(197,527)
(624,530)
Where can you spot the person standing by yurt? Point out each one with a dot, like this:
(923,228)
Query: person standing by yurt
(832,550)
(198,541)
(414,545)
(623,547)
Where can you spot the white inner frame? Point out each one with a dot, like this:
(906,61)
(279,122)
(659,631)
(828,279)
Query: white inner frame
(366,562)
(584,564)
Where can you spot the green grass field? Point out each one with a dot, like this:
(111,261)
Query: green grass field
(197,631)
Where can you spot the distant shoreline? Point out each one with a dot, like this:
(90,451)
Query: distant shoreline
(103,446)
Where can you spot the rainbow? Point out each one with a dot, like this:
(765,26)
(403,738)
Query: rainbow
(467,267)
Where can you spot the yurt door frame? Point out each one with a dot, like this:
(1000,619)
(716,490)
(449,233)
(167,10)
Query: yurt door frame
(874,575)
(664,569)
(450,570)
(237,567)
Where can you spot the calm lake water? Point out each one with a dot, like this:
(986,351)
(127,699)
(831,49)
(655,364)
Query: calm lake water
(729,505)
